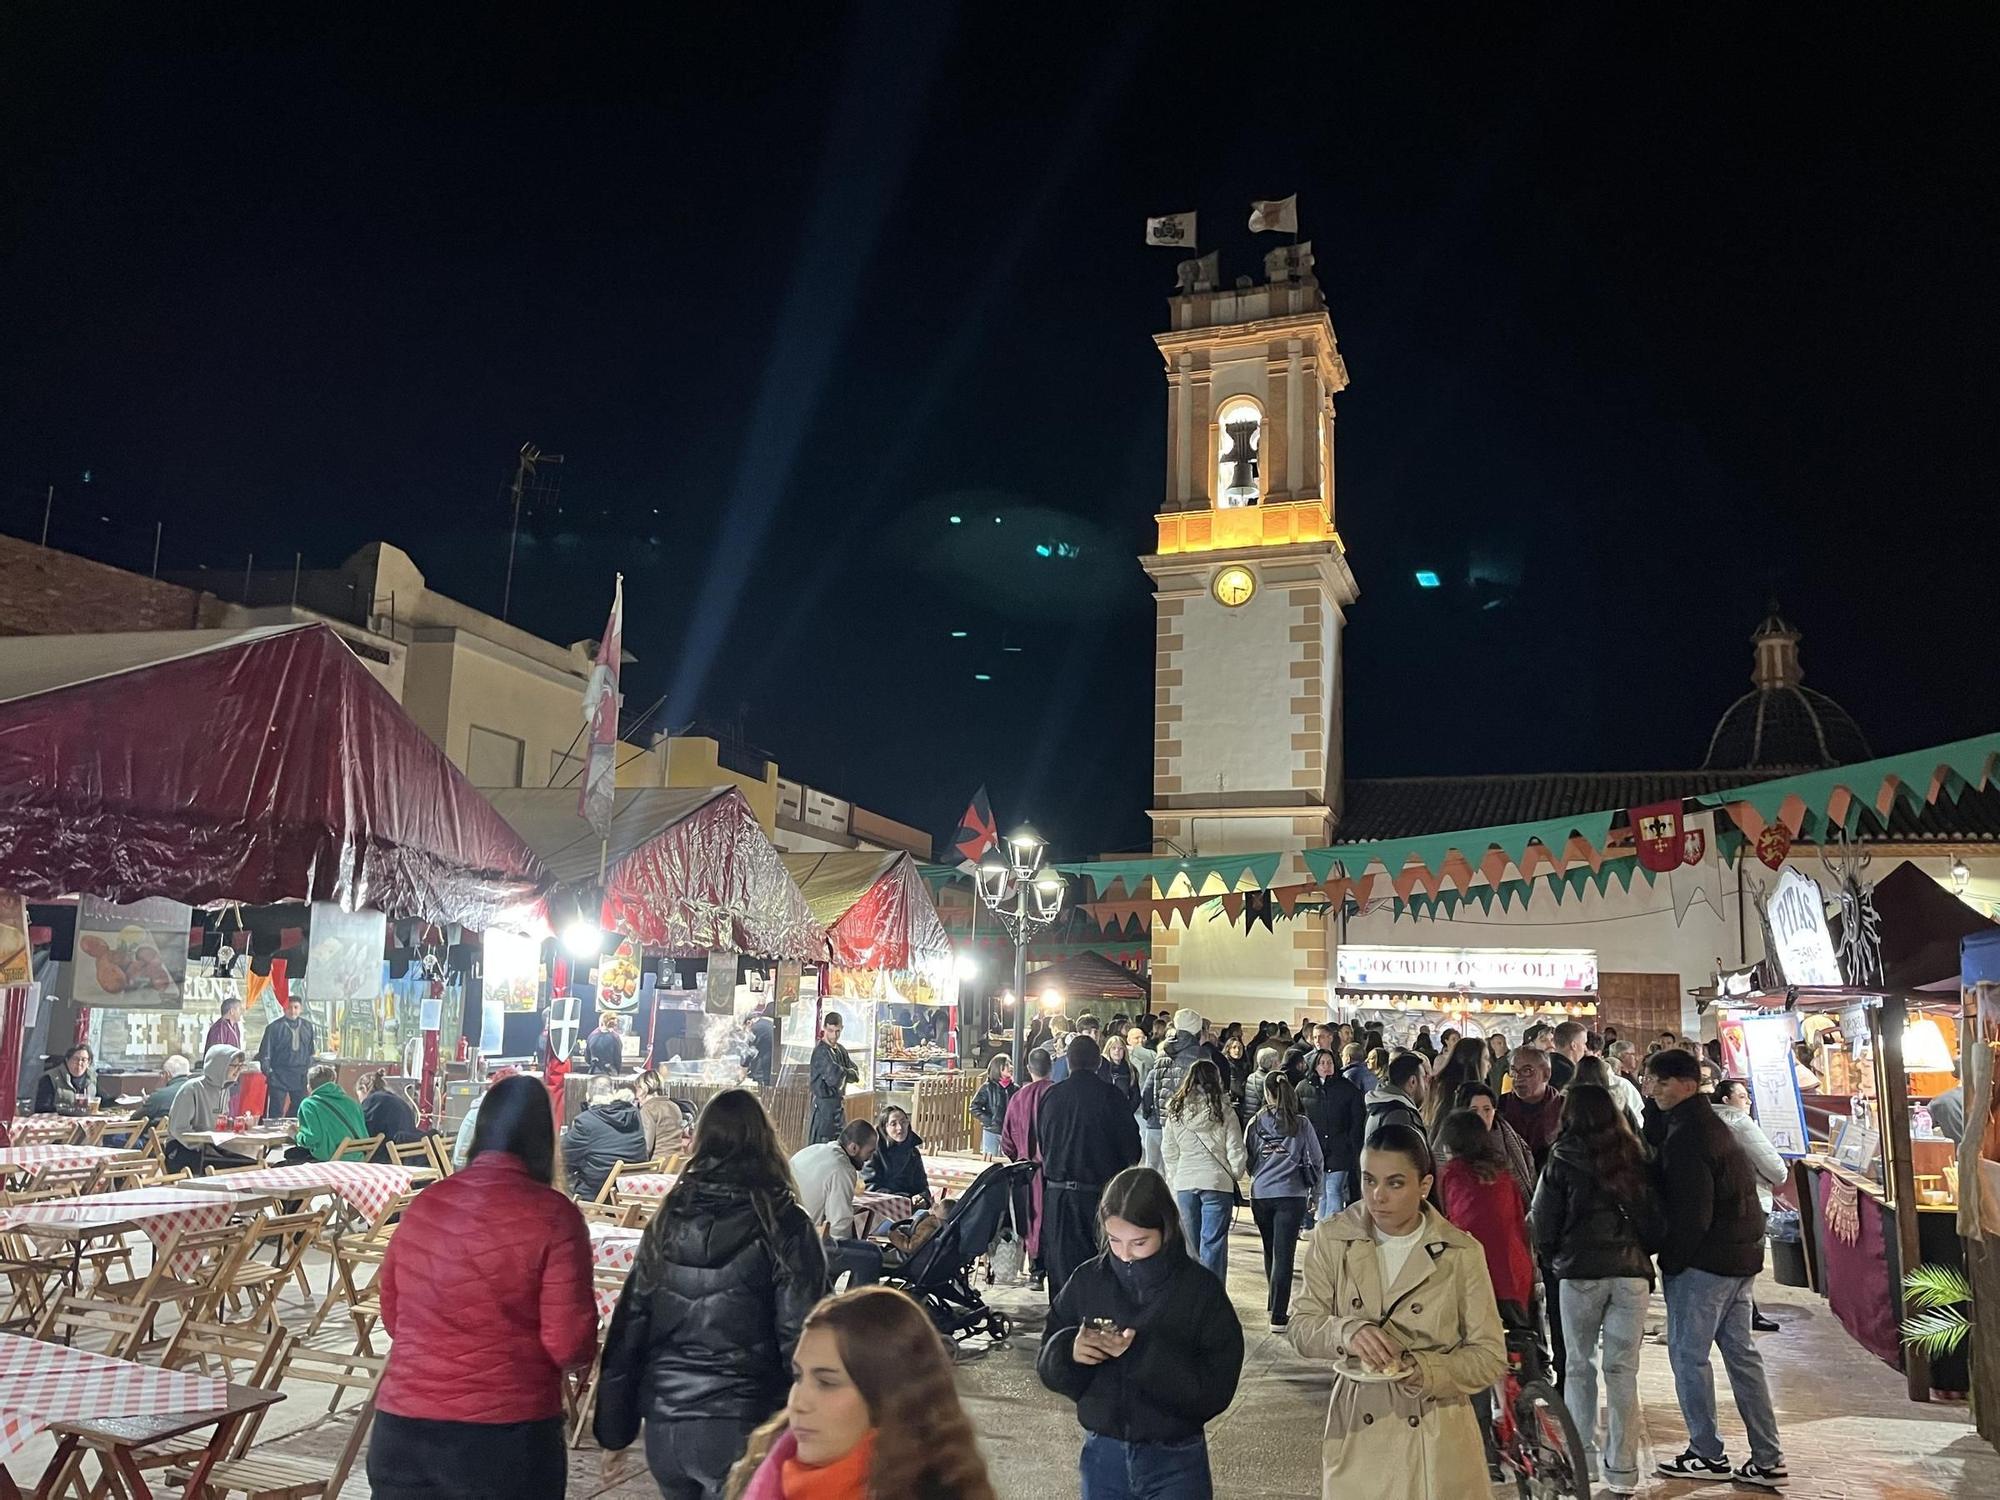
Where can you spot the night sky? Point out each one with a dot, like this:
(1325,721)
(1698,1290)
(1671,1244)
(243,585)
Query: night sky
(1649,316)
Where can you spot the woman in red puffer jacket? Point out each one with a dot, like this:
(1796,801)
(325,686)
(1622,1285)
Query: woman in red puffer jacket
(486,1292)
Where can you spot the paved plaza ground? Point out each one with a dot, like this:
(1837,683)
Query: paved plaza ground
(1850,1432)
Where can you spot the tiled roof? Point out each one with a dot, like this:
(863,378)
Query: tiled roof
(1405,806)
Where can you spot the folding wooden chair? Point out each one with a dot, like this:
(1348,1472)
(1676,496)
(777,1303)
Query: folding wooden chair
(90,1130)
(123,1322)
(52,1131)
(260,1282)
(618,1215)
(69,1179)
(126,1135)
(413,1154)
(351,1253)
(188,1272)
(359,1148)
(440,1150)
(32,1272)
(129,1172)
(264,1474)
(242,1356)
(581,1398)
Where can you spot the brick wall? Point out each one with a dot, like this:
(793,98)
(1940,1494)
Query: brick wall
(44,592)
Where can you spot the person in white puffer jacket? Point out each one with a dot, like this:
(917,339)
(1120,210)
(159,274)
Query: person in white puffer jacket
(1732,1106)
(1202,1148)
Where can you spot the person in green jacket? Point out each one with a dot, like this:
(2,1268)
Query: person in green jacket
(328,1116)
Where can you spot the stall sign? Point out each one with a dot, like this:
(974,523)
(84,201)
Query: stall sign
(511,972)
(131,957)
(785,987)
(718,983)
(1506,971)
(16,965)
(1802,945)
(1774,1084)
(344,961)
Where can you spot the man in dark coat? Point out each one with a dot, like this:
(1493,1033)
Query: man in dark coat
(1709,1262)
(287,1052)
(763,1036)
(607,1131)
(832,1071)
(1088,1137)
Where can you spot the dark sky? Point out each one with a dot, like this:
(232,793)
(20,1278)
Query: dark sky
(1648,316)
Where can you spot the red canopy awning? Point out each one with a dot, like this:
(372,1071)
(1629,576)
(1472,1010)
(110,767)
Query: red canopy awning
(253,766)
(876,909)
(687,870)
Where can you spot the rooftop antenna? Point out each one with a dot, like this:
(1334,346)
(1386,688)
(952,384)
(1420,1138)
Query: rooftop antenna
(524,470)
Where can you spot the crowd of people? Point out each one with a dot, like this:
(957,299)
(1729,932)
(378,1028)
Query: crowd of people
(1552,1187)
(1418,1211)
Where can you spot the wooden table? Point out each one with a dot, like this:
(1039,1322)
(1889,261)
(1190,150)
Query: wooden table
(116,1439)
(257,1142)
(156,1211)
(365,1186)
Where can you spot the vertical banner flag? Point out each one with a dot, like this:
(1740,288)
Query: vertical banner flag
(1656,831)
(1170,229)
(1275,215)
(600,718)
(1698,877)
(977,832)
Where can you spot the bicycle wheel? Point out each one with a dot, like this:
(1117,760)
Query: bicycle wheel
(1549,1458)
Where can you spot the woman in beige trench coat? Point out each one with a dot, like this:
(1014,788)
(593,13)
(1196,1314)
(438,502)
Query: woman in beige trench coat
(1414,1439)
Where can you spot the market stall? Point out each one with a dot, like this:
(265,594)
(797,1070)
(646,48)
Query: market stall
(1877,1181)
(1402,989)
(1979,1164)
(205,768)
(721,929)
(889,967)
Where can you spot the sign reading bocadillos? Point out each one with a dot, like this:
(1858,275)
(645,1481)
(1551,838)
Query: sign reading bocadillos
(1504,971)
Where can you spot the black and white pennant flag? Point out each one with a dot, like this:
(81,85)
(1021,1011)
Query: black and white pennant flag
(1171,229)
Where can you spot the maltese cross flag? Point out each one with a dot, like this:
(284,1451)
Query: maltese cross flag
(600,722)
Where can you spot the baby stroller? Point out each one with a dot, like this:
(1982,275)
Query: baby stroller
(939,1273)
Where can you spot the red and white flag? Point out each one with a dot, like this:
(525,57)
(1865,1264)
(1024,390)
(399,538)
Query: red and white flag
(1275,215)
(600,722)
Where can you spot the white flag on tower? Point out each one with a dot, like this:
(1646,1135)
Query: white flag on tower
(1275,215)
(600,721)
(1171,229)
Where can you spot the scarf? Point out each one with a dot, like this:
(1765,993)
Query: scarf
(846,1478)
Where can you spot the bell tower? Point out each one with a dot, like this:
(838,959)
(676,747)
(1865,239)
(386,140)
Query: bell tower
(1252,584)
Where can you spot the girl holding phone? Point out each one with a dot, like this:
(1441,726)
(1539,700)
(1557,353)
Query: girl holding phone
(1144,1341)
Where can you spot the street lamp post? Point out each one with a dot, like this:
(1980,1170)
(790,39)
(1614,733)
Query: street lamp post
(1026,898)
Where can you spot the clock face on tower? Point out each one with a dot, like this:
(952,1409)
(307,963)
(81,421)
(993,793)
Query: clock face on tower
(1234,586)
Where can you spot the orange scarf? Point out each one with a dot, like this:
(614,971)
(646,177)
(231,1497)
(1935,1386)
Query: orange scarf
(846,1478)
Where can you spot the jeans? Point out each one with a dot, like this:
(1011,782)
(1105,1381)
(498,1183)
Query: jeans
(1145,1471)
(862,1259)
(1278,1221)
(989,1142)
(1333,1198)
(1205,1216)
(1704,1309)
(1616,1307)
(1149,1142)
(691,1460)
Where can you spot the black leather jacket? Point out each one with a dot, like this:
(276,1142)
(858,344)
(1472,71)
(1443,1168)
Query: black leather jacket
(710,1315)
(1582,1232)
(1340,1115)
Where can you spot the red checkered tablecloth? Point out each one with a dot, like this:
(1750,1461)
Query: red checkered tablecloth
(875,1212)
(41,1128)
(44,1383)
(159,1211)
(366,1185)
(645,1184)
(14,1158)
(612,1248)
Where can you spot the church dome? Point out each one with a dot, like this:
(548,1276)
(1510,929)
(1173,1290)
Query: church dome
(1781,724)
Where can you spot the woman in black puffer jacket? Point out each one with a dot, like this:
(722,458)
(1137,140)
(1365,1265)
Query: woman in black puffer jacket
(1595,1215)
(898,1163)
(700,1347)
